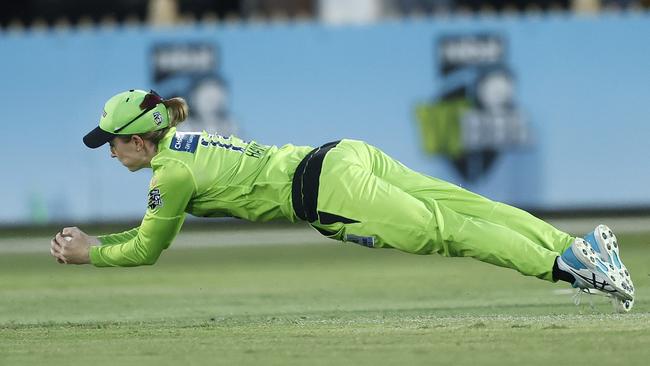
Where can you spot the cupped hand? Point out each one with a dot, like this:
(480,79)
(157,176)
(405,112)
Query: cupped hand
(72,246)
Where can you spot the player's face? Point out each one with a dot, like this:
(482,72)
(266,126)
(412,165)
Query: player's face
(128,153)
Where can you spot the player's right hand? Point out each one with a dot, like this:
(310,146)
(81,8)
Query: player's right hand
(71,246)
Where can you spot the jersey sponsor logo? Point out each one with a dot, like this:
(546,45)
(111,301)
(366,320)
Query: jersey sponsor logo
(155,200)
(186,142)
(366,241)
(157,118)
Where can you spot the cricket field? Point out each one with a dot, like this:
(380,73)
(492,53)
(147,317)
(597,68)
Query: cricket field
(322,303)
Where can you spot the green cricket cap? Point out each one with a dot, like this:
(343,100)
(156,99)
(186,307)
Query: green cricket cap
(129,113)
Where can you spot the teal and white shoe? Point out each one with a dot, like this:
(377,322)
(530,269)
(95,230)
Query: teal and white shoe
(603,241)
(585,261)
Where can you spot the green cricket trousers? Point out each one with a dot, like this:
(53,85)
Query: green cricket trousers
(351,191)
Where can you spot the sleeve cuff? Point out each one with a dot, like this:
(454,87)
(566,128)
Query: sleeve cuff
(95,256)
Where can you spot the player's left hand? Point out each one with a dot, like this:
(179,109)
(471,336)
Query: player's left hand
(71,246)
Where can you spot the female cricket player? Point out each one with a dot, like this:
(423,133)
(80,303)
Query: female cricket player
(347,190)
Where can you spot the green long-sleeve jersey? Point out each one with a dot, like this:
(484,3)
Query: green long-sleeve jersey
(205,175)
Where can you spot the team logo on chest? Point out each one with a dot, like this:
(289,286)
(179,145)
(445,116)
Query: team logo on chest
(154,199)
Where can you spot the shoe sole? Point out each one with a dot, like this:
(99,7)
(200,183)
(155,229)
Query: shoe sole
(620,306)
(589,257)
(610,252)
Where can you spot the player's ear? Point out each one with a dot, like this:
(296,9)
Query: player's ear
(138,141)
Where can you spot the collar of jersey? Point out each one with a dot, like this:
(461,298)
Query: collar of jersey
(164,143)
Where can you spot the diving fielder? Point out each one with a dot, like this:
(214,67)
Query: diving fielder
(347,190)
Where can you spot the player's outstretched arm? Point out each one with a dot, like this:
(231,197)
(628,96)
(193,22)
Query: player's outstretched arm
(72,246)
(171,189)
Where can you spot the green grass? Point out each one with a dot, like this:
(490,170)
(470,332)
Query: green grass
(336,304)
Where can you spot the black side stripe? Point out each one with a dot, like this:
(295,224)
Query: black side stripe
(324,232)
(594,282)
(327,218)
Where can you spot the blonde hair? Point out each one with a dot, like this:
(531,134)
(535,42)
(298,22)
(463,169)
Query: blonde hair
(177,110)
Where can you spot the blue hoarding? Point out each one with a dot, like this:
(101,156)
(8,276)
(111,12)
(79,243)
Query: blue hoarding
(578,86)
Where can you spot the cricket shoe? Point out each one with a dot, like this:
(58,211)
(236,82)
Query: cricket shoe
(591,272)
(604,242)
